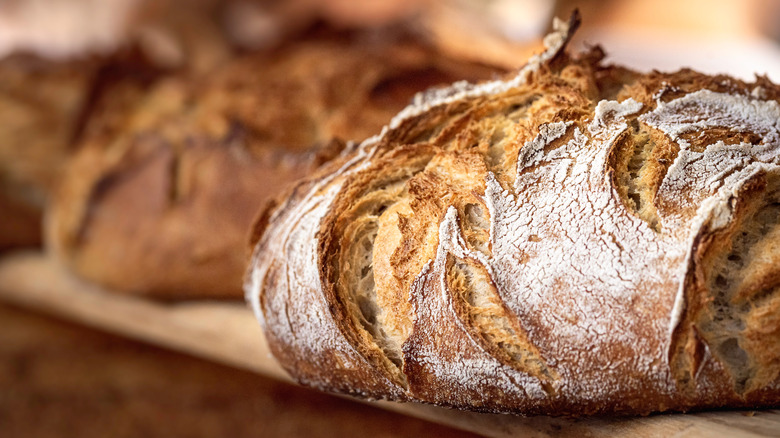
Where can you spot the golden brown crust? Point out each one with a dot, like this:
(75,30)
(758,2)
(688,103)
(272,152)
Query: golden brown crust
(160,200)
(552,244)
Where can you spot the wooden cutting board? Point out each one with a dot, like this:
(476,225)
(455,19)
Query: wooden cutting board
(228,333)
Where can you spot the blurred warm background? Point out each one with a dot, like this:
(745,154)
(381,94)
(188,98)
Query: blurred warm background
(130,129)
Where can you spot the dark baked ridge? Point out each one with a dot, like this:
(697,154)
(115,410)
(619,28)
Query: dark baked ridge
(547,244)
(160,197)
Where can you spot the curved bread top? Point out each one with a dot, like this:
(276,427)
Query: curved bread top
(576,239)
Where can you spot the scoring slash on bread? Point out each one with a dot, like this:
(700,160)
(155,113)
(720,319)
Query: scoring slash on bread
(577,239)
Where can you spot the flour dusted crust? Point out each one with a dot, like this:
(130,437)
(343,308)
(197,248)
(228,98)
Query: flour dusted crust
(577,239)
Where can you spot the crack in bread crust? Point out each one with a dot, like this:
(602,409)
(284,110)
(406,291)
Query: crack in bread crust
(736,278)
(348,253)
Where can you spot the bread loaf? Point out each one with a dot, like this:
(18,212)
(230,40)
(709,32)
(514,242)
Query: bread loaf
(59,67)
(576,239)
(160,198)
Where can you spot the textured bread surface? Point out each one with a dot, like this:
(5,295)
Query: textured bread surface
(577,239)
(161,196)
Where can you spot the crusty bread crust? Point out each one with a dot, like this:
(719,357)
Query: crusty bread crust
(159,199)
(578,239)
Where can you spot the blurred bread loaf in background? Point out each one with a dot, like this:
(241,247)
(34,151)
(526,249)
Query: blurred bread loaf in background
(61,62)
(160,196)
(231,98)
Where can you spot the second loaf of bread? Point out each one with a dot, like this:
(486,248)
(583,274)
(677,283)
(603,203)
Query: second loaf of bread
(160,197)
(578,239)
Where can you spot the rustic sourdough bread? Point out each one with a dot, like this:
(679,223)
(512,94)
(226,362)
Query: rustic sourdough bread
(577,239)
(160,198)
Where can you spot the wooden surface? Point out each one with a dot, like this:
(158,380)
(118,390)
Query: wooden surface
(61,379)
(228,333)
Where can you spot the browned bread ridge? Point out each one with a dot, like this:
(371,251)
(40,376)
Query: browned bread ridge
(160,199)
(578,239)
